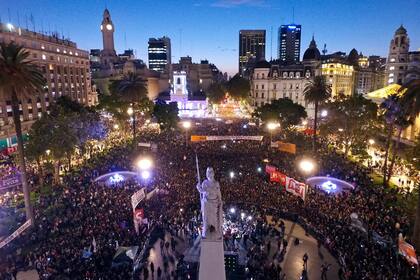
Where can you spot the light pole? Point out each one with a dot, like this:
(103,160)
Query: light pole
(186,125)
(144,165)
(271,127)
(130,112)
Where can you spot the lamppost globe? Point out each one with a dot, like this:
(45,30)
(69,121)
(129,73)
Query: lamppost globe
(116,126)
(186,124)
(272,125)
(144,164)
(130,111)
(371,141)
(324,113)
(307,165)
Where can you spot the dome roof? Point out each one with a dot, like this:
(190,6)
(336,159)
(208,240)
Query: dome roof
(262,64)
(401,31)
(312,53)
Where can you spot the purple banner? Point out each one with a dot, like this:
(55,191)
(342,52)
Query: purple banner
(10,181)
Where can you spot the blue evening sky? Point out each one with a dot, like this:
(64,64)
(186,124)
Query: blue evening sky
(208,29)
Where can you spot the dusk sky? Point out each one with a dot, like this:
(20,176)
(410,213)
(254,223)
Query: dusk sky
(209,29)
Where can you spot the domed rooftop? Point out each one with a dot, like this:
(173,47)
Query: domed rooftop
(262,64)
(312,53)
(353,57)
(401,31)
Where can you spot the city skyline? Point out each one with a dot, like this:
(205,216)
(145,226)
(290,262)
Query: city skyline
(215,38)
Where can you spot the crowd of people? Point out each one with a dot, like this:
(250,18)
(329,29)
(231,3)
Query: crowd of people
(80,224)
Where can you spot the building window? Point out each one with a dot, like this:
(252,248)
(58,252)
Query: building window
(258,75)
(262,75)
(262,86)
(262,94)
(274,86)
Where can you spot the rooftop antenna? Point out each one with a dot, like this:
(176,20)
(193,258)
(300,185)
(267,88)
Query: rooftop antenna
(271,43)
(125,40)
(293,14)
(8,12)
(26,21)
(180,43)
(324,50)
(33,22)
(18,17)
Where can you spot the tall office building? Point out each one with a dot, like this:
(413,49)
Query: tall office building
(66,71)
(159,53)
(289,43)
(251,47)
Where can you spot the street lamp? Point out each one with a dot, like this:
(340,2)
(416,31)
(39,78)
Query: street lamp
(186,125)
(271,127)
(144,163)
(116,126)
(130,112)
(307,165)
(371,141)
(324,113)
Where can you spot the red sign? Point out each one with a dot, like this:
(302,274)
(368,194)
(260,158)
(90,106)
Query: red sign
(295,187)
(139,214)
(278,177)
(270,169)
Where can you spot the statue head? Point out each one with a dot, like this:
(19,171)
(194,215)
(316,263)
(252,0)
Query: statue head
(210,174)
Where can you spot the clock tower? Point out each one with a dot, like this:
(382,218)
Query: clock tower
(108,53)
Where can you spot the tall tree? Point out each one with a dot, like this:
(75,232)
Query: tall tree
(238,87)
(166,114)
(20,78)
(131,89)
(283,111)
(317,92)
(216,93)
(352,121)
(410,102)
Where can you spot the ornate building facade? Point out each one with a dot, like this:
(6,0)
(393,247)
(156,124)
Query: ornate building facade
(66,69)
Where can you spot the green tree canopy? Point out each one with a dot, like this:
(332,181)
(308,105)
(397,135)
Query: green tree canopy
(238,87)
(216,93)
(166,114)
(282,110)
(352,121)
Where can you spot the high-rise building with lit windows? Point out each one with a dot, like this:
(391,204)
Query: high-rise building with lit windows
(289,43)
(66,71)
(159,53)
(251,48)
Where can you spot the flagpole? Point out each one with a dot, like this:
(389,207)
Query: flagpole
(198,169)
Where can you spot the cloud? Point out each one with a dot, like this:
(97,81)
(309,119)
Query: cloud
(237,3)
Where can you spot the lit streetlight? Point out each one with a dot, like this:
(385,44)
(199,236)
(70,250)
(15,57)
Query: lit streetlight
(324,113)
(271,127)
(144,163)
(307,165)
(186,125)
(130,112)
(371,141)
(116,126)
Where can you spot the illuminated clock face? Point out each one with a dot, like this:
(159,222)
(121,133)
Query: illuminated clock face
(109,26)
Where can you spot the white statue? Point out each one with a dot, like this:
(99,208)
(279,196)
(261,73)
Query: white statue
(211,206)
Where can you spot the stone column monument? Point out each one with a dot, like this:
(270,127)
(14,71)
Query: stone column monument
(211,252)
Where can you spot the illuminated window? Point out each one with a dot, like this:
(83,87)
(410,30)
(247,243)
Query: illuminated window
(391,68)
(44,57)
(392,59)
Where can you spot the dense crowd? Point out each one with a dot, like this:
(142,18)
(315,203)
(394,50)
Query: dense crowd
(81,223)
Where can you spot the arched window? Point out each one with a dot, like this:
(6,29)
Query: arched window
(258,75)
(262,75)
(178,81)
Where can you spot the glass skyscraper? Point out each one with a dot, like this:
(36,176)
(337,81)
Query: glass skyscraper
(251,46)
(289,43)
(159,53)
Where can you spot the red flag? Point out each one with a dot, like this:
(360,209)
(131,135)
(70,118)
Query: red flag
(270,169)
(278,177)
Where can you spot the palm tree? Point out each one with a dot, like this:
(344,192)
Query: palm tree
(19,78)
(131,89)
(410,103)
(316,92)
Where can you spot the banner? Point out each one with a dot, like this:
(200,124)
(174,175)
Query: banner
(407,251)
(17,232)
(137,197)
(278,177)
(295,187)
(138,216)
(144,144)
(284,147)
(9,181)
(270,169)
(200,138)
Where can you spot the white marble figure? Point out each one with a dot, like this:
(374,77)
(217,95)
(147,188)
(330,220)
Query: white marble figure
(211,206)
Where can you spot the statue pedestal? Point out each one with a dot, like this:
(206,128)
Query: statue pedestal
(212,260)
